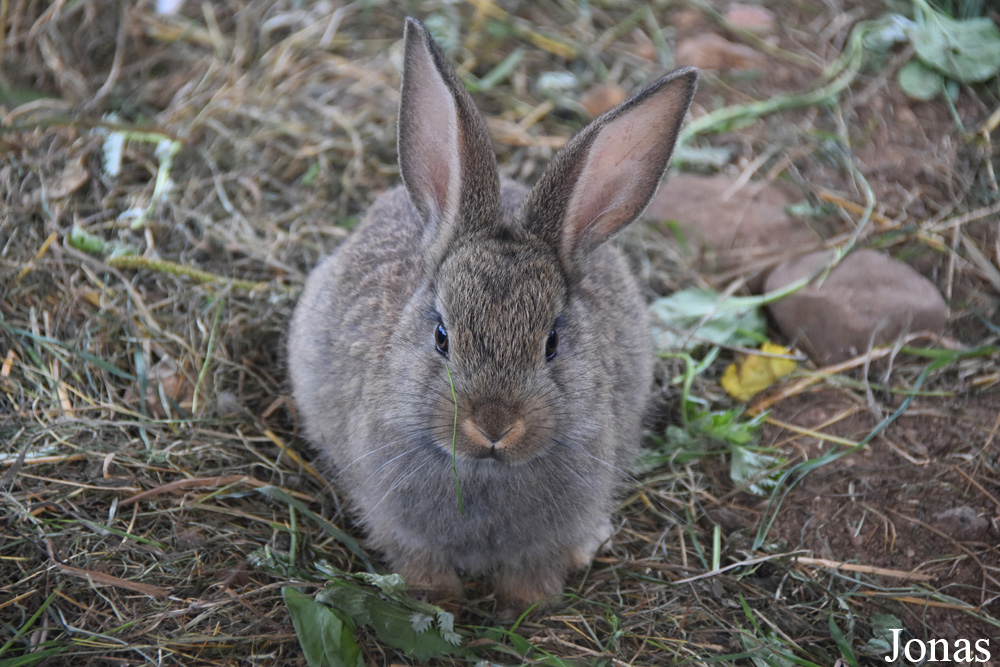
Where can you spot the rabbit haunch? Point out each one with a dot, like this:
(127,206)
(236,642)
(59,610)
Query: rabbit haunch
(509,296)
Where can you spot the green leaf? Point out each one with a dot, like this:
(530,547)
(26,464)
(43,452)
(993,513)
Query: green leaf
(399,621)
(882,640)
(766,653)
(733,321)
(326,639)
(754,469)
(706,157)
(36,656)
(312,173)
(884,624)
(885,34)
(703,429)
(808,209)
(520,644)
(966,50)
(920,82)
(81,239)
(842,643)
(727,426)
(390,584)
(421,622)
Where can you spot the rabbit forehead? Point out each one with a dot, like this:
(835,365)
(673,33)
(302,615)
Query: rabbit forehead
(500,299)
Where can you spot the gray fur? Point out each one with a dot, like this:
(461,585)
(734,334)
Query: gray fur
(541,444)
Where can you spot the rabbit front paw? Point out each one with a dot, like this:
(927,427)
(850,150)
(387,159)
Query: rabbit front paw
(582,554)
(427,578)
(518,589)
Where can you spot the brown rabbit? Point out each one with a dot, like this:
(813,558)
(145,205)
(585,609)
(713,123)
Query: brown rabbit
(507,299)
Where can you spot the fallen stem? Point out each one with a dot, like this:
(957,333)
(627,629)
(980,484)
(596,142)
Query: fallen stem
(197,275)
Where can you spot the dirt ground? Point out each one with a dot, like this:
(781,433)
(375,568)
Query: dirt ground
(916,499)
(145,418)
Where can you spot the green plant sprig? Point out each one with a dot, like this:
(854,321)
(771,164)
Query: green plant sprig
(454,443)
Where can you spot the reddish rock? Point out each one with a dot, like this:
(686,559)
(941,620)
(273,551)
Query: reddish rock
(867,299)
(711,51)
(602,97)
(751,17)
(685,19)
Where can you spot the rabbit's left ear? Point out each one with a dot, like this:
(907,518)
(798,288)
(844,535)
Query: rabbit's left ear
(605,176)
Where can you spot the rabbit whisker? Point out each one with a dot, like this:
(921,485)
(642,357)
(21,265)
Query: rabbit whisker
(588,455)
(364,456)
(392,460)
(403,477)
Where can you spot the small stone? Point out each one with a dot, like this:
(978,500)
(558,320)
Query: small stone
(756,19)
(712,51)
(686,18)
(961,523)
(602,97)
(867,299)
(187,538)
(228,404)
(726,519)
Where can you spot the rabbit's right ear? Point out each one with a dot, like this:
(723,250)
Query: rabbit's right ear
(446,159)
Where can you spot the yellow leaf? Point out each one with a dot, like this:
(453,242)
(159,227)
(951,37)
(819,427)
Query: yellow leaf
(751,375)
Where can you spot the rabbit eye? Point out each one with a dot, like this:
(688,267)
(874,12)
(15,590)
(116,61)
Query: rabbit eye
(551,344)
(441,340)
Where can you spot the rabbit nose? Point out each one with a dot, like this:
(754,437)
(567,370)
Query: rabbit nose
(491,433)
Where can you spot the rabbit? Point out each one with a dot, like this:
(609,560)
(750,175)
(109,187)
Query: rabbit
(475,336)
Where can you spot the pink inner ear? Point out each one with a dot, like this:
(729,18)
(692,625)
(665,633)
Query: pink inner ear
(623,168)
(429,137)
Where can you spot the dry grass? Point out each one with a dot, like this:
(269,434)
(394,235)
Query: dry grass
(143,405)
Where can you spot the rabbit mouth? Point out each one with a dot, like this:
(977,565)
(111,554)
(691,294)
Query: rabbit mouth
(506,436)
(492,441)
(510,442)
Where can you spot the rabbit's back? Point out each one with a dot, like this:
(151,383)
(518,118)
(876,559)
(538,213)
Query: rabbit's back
(350,304)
